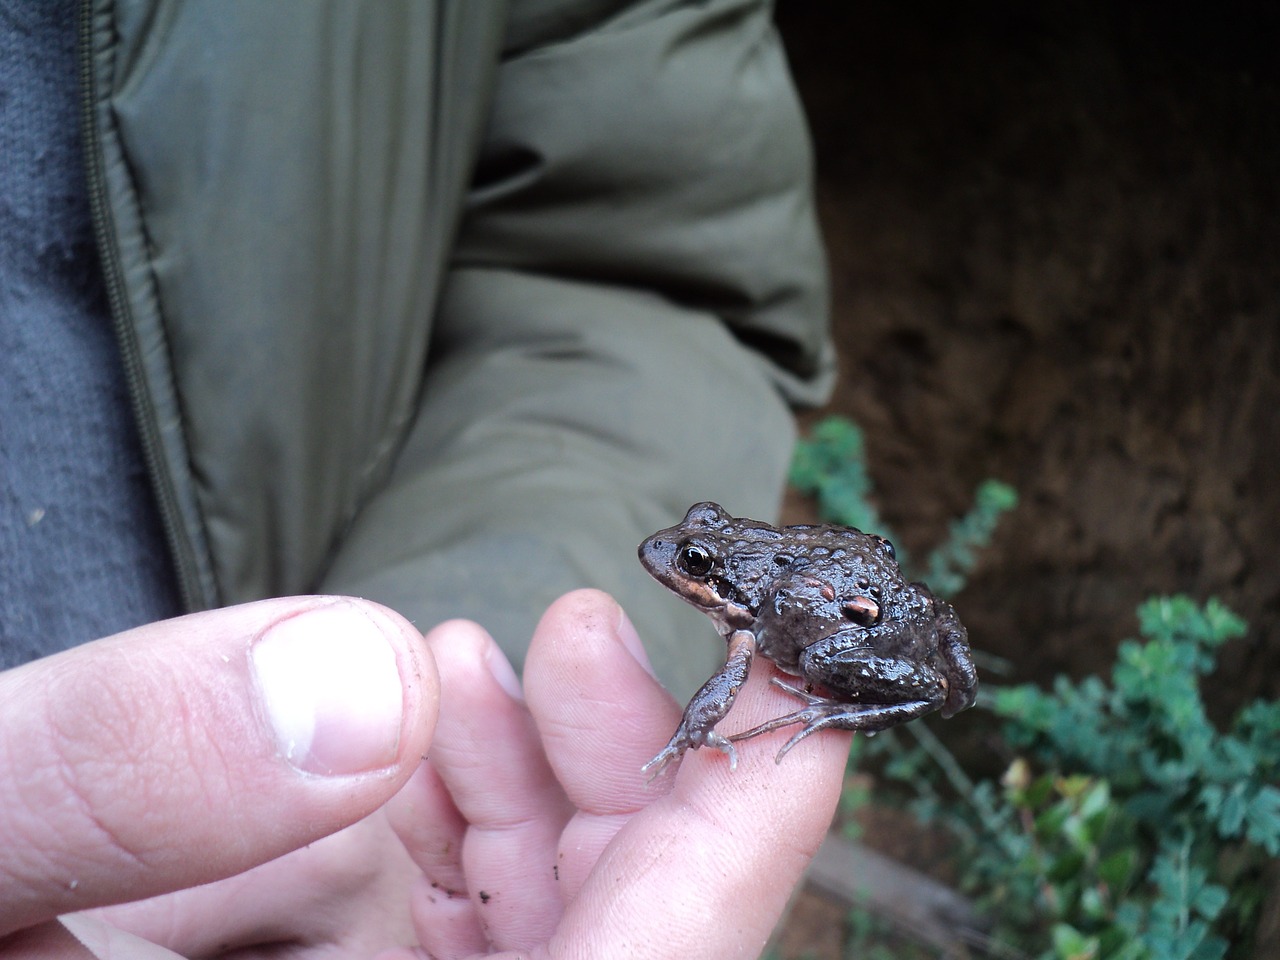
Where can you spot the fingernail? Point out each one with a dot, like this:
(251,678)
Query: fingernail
(631,641)
(331,689)
(503,672)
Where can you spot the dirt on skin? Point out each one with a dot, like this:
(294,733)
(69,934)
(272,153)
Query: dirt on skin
(1054,237)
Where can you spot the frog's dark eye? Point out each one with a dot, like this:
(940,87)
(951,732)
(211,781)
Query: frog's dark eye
(860,610)
(887,547)
(694,561)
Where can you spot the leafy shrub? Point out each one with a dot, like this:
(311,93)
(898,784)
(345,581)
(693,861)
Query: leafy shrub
(1141,831)
(831,466)
(1125,826)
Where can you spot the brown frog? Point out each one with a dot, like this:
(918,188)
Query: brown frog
(828,605)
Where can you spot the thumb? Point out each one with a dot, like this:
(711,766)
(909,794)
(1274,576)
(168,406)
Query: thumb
(193,749)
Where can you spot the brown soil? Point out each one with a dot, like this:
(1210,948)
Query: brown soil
(1055,251)
(1055,248)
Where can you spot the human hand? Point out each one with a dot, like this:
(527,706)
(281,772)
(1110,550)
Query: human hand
(182,752)
(538,835)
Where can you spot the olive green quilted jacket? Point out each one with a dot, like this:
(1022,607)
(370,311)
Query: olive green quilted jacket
(448,304)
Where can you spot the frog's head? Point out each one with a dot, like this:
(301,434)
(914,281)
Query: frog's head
(690,560)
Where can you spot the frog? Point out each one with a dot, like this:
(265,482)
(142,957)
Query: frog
(829,606)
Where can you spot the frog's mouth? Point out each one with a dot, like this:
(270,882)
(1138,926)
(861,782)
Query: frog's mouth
(703,595)
(713,595)
(721,601)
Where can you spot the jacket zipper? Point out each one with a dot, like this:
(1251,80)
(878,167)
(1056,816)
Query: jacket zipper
(181,549)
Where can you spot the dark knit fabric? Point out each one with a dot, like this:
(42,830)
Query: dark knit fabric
(82,551)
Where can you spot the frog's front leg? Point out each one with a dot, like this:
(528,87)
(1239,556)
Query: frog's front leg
(709,706)
(872,693)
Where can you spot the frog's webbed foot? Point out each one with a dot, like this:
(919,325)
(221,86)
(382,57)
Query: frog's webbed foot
(825,713)
(708,707)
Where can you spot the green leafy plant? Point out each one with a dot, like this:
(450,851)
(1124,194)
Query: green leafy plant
(1142,831)
(831,465)
(1126,826)
(874,938)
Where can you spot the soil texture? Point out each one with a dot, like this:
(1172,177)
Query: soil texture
(1054,237)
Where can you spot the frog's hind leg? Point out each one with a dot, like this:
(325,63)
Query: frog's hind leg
(824,713)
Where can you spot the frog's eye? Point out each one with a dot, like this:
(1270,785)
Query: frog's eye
(860,610)
(694,561)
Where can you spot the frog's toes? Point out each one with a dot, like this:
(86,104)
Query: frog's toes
(684,741)
(665,758)
(723,744)
(798,692)
(812,724)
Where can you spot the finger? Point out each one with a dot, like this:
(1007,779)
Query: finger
(82,936)
(602,714)
(431,828)
(693,857)
(193,749)
(488,753)
(46,941)
(346,890)
(432,831)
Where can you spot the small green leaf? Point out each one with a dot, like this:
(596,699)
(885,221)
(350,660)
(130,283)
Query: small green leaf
(1070,944)
(1232,813)
(1263,817)
(1116,869)
(1209,901)
(1096,800)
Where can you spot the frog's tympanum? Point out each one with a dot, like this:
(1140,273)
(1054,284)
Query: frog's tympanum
(829,606)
